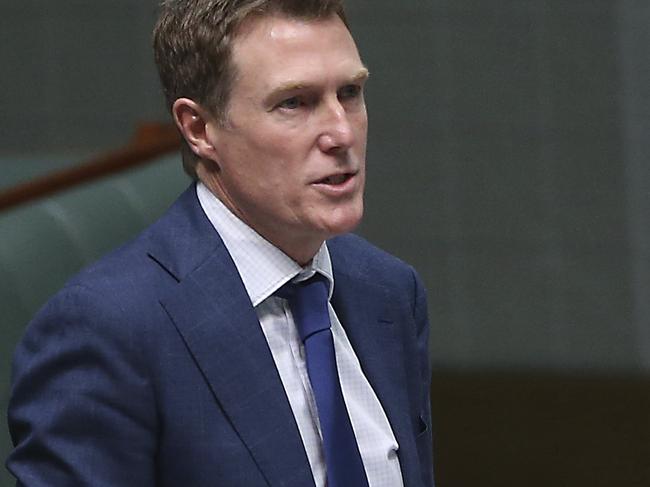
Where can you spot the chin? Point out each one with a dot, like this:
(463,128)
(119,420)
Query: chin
(340,222)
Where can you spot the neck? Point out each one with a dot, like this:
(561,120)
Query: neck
(300,249)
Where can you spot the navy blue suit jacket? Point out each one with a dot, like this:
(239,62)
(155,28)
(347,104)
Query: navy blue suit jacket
(150,368)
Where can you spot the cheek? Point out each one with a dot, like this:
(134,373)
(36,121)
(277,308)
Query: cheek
(362,119)
(361,129)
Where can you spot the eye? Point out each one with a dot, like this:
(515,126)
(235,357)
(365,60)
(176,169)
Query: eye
(290,103)
(349,92)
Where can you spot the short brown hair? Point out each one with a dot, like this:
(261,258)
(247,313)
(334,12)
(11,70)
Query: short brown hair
(192,43)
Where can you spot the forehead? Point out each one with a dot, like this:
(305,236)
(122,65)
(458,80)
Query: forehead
(273,48)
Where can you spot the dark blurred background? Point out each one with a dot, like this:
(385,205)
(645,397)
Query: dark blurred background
(507,162)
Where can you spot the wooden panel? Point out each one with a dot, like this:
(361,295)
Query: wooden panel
(530,430)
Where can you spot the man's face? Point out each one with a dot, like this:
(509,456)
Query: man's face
(292,152)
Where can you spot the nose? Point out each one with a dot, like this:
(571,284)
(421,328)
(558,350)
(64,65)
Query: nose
(337,134)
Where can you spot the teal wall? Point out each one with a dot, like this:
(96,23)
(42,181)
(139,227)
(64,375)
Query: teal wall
(76,74)
(507,155)
(508,162)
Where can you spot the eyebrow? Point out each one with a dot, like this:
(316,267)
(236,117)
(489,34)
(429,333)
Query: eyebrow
(361,75)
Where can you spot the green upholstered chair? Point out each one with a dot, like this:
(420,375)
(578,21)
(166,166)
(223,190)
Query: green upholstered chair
(42,244)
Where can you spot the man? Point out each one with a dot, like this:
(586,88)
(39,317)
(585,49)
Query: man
(182,359)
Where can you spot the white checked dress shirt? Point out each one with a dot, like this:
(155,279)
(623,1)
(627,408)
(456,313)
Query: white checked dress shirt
(264,269)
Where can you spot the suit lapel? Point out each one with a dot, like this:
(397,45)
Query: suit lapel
(363,310)
(212,312)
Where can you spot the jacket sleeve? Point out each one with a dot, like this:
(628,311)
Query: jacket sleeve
(424,439)
(82,409)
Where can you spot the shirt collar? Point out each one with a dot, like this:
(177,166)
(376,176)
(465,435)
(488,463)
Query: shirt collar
(263,267)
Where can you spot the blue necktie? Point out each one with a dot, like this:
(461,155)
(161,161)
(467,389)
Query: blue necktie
(308,302)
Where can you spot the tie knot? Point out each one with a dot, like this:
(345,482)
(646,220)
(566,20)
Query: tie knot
(308,302)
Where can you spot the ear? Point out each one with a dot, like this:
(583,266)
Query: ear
(192,120)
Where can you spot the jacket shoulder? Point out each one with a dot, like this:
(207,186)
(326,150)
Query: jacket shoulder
(356,257)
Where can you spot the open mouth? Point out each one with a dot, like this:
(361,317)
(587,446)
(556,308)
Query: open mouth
(335,179)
